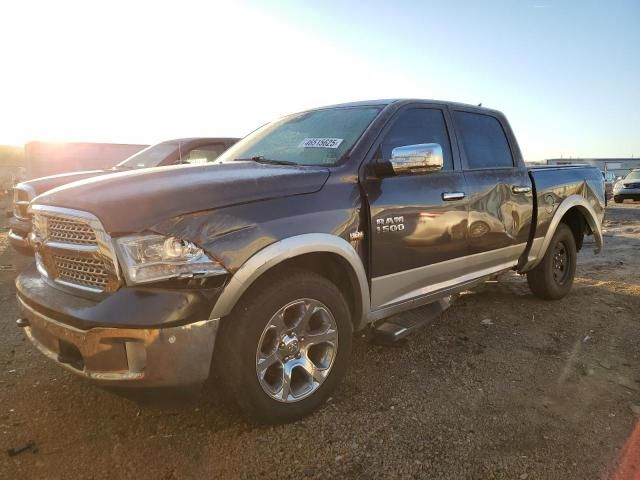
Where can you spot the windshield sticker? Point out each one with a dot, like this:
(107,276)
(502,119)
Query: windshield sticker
(320,143)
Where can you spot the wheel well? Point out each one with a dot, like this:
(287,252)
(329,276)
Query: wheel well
(329,265)
(575,220)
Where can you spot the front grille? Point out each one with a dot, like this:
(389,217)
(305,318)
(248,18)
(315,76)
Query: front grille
(88,272)
(65,230)
(74,250)
(633,185)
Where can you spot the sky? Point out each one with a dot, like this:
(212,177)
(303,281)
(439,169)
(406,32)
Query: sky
(566,73)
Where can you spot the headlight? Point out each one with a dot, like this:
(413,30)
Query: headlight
(151,258)
(618,186)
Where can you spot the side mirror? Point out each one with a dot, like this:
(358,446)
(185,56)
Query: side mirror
(421,158)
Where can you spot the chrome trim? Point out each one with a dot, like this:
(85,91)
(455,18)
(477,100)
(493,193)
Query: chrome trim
(31,194)
(286,249)
(419,158)
(521,189)
(539,248)
(449,196)
(104,249)
(71,247)
(154,356)
(400,287)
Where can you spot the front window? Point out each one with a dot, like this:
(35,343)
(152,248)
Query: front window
(634,175)
(317,137)
(151,156)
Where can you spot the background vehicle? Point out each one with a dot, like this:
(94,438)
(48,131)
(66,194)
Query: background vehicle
(265,262)
(609,179)
(184,150)
(627,187)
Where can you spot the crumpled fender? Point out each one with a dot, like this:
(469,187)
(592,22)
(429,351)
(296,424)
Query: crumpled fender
(234,234)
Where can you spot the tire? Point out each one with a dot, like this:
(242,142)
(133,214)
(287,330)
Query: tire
(255,337)
(551,283)
(618,200)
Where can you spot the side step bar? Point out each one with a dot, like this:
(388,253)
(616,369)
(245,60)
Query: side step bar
(400,326)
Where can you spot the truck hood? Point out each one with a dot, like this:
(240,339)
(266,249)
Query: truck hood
(43,184)
(133,201)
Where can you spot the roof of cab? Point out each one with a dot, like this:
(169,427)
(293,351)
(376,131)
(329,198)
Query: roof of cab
(402,101)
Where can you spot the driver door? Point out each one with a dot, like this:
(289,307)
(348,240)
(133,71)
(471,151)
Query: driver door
(419,219)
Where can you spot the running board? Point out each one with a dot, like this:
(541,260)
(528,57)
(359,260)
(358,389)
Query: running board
(398,327)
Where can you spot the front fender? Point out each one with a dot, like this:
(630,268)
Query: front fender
(285,249)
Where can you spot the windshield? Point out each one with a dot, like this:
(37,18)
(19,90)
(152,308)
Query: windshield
(318,137)
(150,157)
(635,175)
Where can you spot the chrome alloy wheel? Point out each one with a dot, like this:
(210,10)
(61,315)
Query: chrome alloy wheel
(297,350)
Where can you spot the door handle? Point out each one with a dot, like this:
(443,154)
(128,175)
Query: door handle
(448,196)
(521,189)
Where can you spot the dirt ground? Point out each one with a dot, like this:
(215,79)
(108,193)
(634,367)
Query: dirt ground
(503,385)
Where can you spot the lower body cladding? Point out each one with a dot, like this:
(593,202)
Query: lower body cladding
(78,334)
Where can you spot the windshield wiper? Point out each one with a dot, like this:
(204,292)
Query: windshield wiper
(262,159)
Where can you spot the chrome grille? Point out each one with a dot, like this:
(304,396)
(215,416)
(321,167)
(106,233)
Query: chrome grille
(83,271)
(73,250)
(65,230)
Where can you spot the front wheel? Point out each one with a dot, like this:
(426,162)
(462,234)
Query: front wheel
(618,199)
(285,348)
(552,278)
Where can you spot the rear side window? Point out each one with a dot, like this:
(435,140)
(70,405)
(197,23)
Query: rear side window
(416,126)
(483,139)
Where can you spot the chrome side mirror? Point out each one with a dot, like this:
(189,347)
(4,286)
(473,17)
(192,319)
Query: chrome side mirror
(421,158)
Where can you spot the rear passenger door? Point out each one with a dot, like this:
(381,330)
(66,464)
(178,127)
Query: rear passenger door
(500,199)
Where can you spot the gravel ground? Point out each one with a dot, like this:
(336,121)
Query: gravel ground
(502,385)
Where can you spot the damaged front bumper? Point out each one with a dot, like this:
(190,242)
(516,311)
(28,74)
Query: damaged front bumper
(156,357)
(117,354)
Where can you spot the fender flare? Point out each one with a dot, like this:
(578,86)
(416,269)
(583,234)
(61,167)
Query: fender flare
(285,249)
(540,245)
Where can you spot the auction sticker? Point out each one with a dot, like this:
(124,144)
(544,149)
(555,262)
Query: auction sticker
(321,142)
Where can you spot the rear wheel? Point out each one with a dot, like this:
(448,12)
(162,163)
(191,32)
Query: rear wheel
(553,277)
(286,347)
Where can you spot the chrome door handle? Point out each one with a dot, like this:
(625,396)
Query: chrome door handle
(448,196)
(521,189)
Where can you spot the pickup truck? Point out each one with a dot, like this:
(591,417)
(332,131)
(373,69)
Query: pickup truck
(171,152)
(261,266)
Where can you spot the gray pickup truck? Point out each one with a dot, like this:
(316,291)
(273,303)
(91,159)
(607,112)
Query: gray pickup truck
(262,265)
